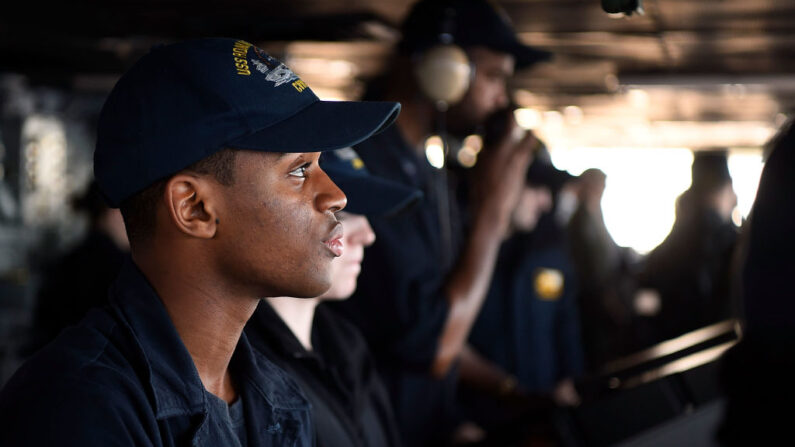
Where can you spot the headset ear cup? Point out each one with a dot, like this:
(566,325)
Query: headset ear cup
(444,73)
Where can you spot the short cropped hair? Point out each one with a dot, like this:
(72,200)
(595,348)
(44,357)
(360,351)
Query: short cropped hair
(139,210)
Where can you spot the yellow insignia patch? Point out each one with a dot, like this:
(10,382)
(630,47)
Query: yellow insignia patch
(549,284)
(357,163)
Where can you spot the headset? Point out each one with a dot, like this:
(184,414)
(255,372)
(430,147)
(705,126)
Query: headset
(444,71)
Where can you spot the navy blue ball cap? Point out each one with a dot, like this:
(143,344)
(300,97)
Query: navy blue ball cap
(183,102)
(367,194)
(466,23)
(542,172)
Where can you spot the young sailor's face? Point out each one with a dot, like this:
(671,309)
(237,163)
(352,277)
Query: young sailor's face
(534,201)
(345,269)
(280,225)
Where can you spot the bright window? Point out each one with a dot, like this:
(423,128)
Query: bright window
(643,184)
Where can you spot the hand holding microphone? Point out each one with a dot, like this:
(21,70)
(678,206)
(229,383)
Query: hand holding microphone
(507,152)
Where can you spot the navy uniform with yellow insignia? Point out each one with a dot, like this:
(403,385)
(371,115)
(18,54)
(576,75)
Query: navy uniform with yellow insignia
(529,324)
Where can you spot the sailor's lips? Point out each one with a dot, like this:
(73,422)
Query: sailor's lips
(334,242)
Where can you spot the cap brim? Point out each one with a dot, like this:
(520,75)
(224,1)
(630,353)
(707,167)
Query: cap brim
(323,126)
(373,196)
(526,56)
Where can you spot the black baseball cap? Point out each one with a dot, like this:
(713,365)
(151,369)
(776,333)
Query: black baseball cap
(183,102)
(367,194)
(542,172)
(466,23)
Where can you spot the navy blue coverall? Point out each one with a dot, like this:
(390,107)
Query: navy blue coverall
(123,377)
